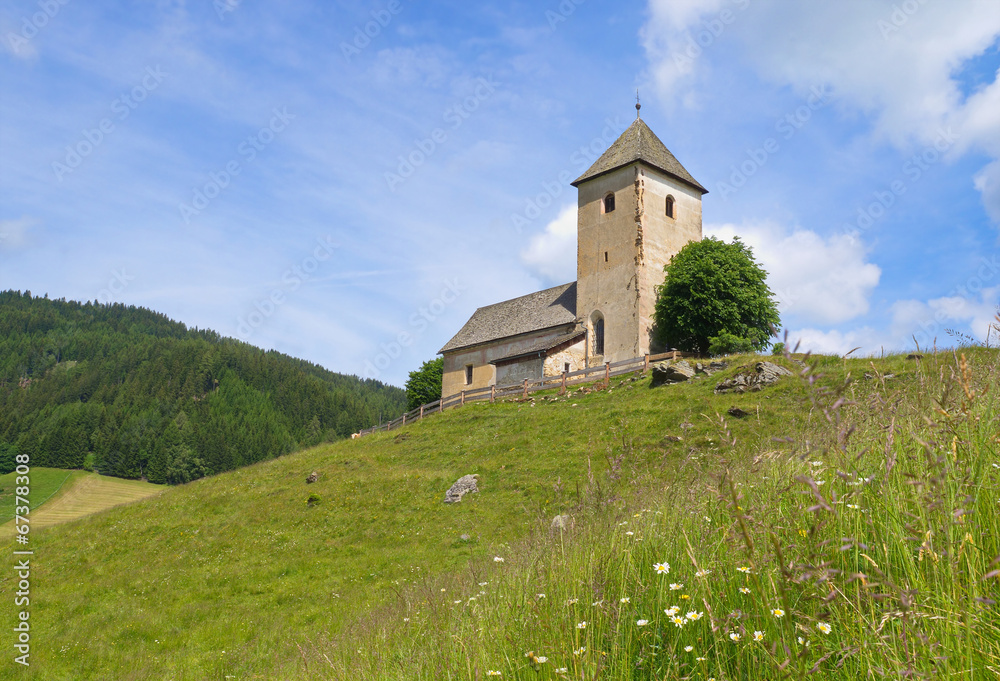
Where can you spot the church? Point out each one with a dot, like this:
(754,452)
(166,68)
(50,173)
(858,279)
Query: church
(637,207)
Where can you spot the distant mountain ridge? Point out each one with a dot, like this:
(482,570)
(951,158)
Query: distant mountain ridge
(134,394)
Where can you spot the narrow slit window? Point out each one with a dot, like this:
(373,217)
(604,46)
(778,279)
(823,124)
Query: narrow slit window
(599,337)
(670,206)
(605,256)
(609,203)
(566,368)
(468,374)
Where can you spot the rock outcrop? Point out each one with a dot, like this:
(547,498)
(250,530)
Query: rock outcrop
(668,372)
(464,485)
(313,477)
(761,375)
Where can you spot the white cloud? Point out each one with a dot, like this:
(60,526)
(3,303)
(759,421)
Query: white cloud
(14,233)
(897,63)
(552,254)
(987,182)
(818,280)
(929,321)
(868,341)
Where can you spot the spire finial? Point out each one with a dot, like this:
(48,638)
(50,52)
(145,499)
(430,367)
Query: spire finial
(637,104)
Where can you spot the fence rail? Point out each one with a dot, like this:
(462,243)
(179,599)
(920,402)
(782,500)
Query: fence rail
(607,371)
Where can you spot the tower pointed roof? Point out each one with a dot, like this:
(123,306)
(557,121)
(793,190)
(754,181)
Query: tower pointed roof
(639,143)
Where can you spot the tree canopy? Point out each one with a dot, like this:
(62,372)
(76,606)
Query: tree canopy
(715,291)
(424,384)
(133,394)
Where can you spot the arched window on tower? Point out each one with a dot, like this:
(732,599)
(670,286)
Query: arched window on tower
(670,206)
(609,203)
(597,324)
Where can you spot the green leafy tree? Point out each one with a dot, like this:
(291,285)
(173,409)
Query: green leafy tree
(715,290)
(424,384)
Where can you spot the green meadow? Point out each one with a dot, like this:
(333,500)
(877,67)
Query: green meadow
(845,525)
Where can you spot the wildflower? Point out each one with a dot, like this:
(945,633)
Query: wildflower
(572,601)
(778,612)
(540,596)
(541,660)
(803,642)
(493,672)
(676,587)
(694,615)
(497,559)
(744,590)
(406,619)
(707,519)
(678,621)
(702,573)
(661,568)
(701,659)
(745,570)
(457,602)
(443,590)
(853,506)
(562,670)
(735,637)
(581,651)
(483,583)
(597,604)
(629,533)
(824,627)
(581,625)
(758,635)
(641,623)
(670,612)
(685,597)
(624,599)
(688,649)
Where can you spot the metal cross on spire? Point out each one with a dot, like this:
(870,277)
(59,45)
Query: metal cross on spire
(637,104)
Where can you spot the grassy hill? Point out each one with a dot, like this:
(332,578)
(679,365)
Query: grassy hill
(857,497)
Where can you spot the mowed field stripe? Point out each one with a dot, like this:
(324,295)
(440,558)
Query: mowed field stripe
(87,494)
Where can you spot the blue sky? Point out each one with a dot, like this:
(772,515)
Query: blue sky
(347,182)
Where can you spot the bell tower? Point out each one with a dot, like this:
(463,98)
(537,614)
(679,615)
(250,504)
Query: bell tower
(637,206)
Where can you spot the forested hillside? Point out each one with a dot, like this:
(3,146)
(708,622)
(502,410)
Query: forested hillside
(134,394)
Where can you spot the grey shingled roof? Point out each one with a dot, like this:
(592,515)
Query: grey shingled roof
(639,143)
(533,312)
(542,345)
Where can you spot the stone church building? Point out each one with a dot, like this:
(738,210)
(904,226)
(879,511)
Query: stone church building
(637,206)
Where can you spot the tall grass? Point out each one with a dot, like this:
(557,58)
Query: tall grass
(863,541)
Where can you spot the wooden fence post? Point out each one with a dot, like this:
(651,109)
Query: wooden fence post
(562,390)
(462,403)
(404,419)
(421,411)
(525,387)
(493,393)
(607,374)
(645,363)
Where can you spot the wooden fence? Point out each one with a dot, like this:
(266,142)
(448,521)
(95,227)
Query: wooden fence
(564,380)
